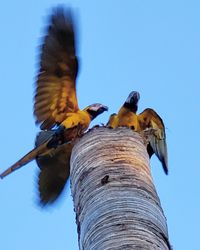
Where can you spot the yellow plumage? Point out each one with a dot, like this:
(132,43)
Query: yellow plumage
(127,117)
(55,103)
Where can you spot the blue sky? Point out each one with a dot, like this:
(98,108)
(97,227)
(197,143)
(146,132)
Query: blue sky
(149,46)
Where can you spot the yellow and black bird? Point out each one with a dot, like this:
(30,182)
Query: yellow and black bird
(128,117)
(56,103)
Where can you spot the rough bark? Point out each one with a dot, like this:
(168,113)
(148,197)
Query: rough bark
(115,200)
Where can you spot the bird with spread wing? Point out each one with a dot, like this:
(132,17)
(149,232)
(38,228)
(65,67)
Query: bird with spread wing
(148,119)
(56,107)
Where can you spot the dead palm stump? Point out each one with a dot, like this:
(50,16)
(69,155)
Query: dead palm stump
(116,204)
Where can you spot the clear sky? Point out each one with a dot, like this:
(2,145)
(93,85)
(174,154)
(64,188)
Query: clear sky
(149,46)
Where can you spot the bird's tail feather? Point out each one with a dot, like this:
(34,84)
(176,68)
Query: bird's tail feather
(25,159)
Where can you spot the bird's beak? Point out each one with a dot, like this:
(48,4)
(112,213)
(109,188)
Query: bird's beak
(104,108)
(137,96)
(133,97)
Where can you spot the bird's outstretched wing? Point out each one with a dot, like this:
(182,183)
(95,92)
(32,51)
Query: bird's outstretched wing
(54,169)
(150,119)
(55,94)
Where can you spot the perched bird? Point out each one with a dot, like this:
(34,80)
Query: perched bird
(128,117)
(56,104)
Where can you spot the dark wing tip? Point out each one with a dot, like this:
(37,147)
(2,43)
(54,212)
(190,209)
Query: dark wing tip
(63,25)
(165,165)
(50,186)
(159,147)
(59,42)
(162,154)
(62,15)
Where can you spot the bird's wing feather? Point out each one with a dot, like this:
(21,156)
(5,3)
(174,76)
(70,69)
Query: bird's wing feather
(54,170)
(55,94)
(150,119)
(113,121)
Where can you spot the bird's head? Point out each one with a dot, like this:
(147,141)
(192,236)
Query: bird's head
(95,109)
(132,101)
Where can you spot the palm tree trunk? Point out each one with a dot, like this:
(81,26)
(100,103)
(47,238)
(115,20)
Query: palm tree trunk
(115,200)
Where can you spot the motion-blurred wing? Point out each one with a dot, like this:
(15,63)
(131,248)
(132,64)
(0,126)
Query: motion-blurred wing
(150,119)
(56,81)
(54,170)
